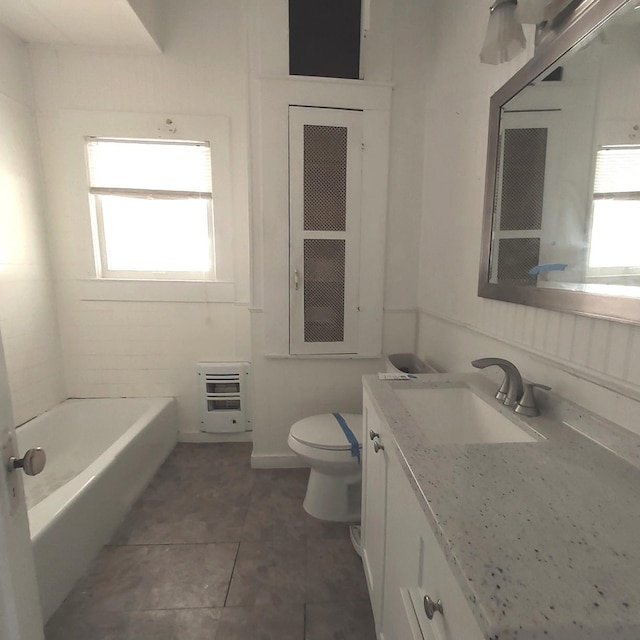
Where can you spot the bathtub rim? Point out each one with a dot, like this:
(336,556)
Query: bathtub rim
(55,504)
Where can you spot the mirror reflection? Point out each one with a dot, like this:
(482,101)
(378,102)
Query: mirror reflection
(567,197)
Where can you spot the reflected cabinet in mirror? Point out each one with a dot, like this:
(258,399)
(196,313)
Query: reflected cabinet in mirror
(562,205)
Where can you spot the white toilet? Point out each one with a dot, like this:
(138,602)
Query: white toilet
(335,482)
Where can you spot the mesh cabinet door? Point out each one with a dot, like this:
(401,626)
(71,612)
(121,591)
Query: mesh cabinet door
(526,180)
(325,172)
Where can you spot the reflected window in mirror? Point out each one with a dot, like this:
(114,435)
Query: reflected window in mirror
(615,228)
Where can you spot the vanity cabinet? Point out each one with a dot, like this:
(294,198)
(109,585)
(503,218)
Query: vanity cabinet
(407,572)
(417,571)
(374,505)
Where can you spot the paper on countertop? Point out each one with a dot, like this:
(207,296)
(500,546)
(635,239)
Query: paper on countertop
(396,376)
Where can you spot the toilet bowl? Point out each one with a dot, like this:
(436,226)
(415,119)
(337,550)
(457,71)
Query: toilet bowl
(335,481)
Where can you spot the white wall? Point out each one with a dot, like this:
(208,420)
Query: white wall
(27,308)
(287,389)
(141,347)
(593,362)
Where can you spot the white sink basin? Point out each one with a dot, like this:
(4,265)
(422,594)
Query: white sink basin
(457,415)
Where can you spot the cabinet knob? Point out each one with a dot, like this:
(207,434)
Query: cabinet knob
(377,446)
(373,435)
(431,607)
(32,463)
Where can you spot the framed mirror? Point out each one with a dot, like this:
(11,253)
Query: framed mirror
(561,225)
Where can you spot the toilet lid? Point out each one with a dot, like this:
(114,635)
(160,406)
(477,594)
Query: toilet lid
(324,432)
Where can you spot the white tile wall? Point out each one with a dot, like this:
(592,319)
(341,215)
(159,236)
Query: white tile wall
(114,348)
(149,348)
(27,307)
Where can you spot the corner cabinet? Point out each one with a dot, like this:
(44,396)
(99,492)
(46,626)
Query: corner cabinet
(414,594)
(321,151)
(325,181)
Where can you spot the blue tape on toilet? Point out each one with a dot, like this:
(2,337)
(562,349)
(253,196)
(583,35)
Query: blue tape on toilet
(353,441)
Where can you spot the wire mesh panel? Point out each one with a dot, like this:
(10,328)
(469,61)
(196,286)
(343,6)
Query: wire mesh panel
(324,287)
(516,257)
(325,178)
(523,168)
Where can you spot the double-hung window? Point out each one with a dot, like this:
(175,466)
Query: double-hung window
(153,208)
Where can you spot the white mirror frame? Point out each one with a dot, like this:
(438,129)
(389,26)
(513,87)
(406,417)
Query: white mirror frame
(555,40)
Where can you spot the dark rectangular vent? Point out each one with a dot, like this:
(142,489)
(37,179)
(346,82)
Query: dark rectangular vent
(324,38)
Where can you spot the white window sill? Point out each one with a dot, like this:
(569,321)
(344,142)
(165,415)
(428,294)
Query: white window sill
(321,356)
(156,290)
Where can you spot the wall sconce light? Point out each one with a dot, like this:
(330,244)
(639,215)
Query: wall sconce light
(505,38)
(531,11)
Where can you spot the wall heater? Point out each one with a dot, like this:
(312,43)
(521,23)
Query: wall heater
(224,397)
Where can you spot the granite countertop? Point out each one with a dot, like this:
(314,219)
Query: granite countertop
(541,536)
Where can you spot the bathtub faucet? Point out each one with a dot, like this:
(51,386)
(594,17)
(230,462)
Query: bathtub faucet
(510,390)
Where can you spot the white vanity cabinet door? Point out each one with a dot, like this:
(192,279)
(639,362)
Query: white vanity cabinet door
(416,567)
(374,505)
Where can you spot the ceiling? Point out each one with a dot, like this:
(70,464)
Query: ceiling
(116,25)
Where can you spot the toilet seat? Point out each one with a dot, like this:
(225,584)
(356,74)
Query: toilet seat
(324,432)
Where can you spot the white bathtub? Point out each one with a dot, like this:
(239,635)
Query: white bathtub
(101,453)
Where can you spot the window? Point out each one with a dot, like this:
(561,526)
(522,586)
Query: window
(153,208)
(615,226)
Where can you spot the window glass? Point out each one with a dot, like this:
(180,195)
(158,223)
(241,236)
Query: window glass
(146,164)
(155,235)
(153,208)
(615,225)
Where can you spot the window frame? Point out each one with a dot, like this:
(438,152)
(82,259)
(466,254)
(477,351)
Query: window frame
(98,228)
(63,137)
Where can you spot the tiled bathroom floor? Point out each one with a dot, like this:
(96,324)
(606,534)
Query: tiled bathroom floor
(215,550)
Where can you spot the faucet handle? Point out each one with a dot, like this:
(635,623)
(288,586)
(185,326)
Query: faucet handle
(527,405)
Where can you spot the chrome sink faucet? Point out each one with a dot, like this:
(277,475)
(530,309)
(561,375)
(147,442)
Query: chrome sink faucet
(510,392)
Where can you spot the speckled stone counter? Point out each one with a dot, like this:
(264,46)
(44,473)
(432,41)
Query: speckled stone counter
(543,537)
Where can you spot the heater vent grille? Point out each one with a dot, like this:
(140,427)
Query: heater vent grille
(224,397)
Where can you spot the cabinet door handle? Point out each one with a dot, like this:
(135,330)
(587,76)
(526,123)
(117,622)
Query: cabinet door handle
(373,435)
(296,279)
(431,607)
(377,446)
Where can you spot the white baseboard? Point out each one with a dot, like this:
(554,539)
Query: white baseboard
(276,461)
(200,436)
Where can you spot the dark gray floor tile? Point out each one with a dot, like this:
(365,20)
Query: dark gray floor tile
(201,458)
(181,522)
(179,624)
(289,483)
(315,529)
(340,621)
(154,583)
(158,577)
(274,517)
(77,623)
(285,622)
(334,572)
(268,573)
(226,482)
